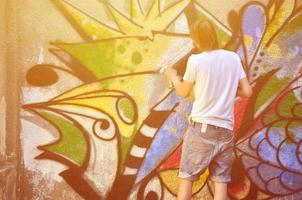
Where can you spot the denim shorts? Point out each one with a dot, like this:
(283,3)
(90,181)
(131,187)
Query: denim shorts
(206,145)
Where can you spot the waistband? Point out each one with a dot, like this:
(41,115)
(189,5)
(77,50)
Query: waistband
(204,125)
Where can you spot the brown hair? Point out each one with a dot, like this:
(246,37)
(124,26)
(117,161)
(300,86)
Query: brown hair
(204,35)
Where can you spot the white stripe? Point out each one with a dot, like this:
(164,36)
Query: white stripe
(130,171)
(138,151)
(148,131)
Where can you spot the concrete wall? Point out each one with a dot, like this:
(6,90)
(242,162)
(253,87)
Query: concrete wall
(86,115)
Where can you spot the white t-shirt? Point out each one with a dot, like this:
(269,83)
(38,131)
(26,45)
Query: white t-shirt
(216,75)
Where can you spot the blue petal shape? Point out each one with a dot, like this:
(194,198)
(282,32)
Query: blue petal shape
(169,135)
(268,172)
(288,156)
(276,136)
(267,152)
(292,180)
(253,25)
(257,138)
(276,186)
(255,177)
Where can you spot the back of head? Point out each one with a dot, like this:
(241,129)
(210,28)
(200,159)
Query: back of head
(204,35)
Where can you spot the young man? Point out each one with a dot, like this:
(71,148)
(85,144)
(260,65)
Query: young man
(217,76)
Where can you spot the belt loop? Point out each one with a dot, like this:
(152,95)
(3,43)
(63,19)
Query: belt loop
(204,127)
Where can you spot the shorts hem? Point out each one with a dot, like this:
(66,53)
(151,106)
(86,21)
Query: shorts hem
(220,179)
(186,176)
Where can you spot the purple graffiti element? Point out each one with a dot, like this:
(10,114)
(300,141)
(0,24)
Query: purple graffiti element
(168,137)
(253,26)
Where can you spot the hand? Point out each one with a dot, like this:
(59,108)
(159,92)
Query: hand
(170,72)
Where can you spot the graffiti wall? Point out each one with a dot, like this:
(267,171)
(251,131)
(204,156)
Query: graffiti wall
(85,113)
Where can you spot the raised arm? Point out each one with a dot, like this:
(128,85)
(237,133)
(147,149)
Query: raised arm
(182,88)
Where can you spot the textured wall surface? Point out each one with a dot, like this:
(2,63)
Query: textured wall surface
(86,115)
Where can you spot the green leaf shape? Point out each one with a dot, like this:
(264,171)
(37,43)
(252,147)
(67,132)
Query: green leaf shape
(71,144)
(272,87)
(127,109)
(97,57)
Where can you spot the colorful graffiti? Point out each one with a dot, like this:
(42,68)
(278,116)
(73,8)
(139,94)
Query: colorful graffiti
(113,128)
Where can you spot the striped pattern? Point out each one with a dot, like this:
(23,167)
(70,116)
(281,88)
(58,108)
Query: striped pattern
(140,145)
(144,138)
(137,151)
(148,131)
(130,171)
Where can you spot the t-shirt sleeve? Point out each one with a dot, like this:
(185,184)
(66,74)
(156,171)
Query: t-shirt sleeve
(242,73)
(190,73)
